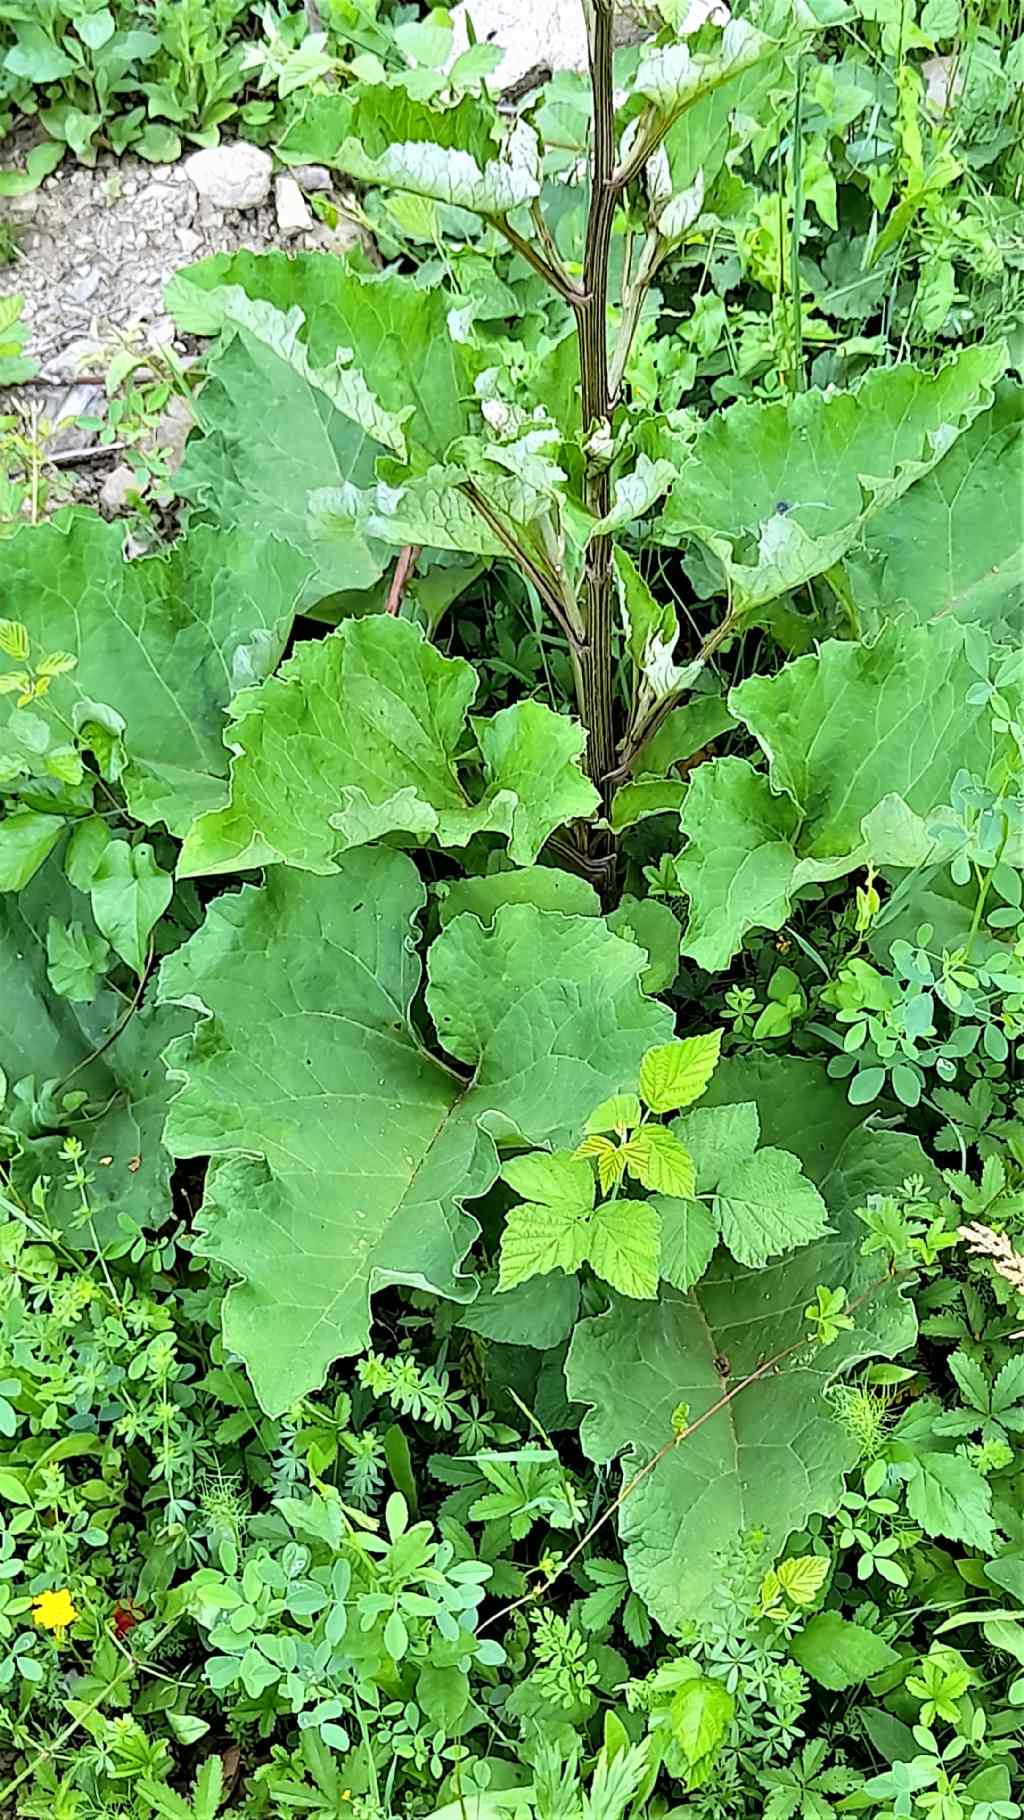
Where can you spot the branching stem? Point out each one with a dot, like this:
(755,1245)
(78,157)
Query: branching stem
(592,330)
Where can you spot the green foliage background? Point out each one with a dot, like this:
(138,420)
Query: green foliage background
(512,1268)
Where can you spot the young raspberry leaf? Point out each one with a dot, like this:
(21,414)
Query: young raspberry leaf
(619,1113)
(555,1179)
(548,1231)
(611,1161)
(803,1577)
(658,1160)
(537,1239)
(675,1074)
(623,1245)
(766,1206)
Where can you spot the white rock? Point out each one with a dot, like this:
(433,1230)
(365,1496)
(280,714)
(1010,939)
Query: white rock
(120,482)
(188,240)
(231,176)
(553,33)
(310,177)
(85,286)
(943,82)
(170,434)
(293,217)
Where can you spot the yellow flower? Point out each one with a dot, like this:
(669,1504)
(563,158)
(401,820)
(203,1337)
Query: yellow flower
(54,1611)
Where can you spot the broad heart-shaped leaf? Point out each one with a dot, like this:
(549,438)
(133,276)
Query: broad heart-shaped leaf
(253,469)
(776,1453)
(342,1149)
(357,737)
(750,850)
(130,893)
(779,492)
(163,641)
(673,78)
(381,135)
(432,509)
(49,1038)
(954,544)
(738,866)
(397,332)
(342,385)
(910,688)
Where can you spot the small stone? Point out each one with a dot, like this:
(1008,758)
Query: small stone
(943,82)
(85,286)
(310,177)
(235,176)
(171,433)
(207,215)
(293,217)
(188,239)
(119,484)
(161,332)
(25,206)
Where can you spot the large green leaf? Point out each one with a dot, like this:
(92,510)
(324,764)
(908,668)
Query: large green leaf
(955,542)
(358,736)
(852,723)
(380,134)
(164,641)
(397,332)
(750,850)
(343,1149)
(254,469)
(45,1038)
(779,492)
(739,863)
(776,1454)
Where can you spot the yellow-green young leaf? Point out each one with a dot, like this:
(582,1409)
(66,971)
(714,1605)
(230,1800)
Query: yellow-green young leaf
(58,663)
(611,1161)
(699,1717)
(619,1113)
(803,1577)
(658,1160)
(538,1239)
(675,1074)
(554,1179)
(624,1245)
(14,639)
